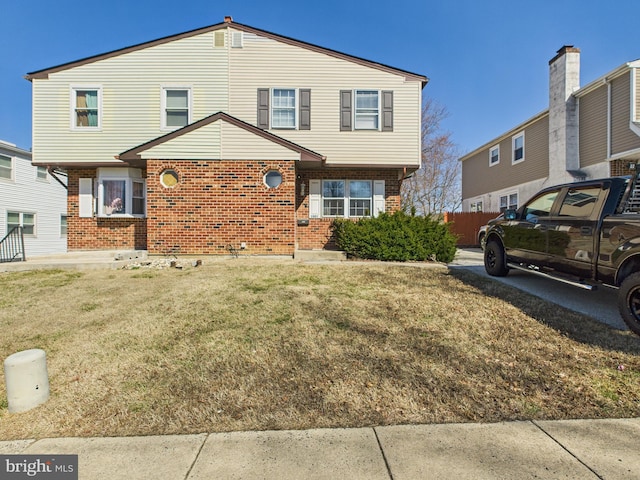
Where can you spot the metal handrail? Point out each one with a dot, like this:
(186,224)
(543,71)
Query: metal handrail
(12,246)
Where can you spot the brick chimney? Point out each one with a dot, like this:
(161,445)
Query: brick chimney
(564,80)
(228,19)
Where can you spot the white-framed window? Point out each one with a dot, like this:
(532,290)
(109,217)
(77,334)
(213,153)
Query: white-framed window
(121,192)
(237,39)
(360,198)
(494,155)
(176,107)
(283,108)
(347,198)
(86,107)
(273,179)
(63,225)
(6,167)
(367,110)
(518,148)
(477,206)
(333,198)
(41,174)
(21,219)
(508,201)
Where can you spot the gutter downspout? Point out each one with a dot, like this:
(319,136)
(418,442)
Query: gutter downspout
(55,177)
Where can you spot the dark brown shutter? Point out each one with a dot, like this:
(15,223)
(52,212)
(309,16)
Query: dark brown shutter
(345,110)
(263,108)
(305,109)
(387,111)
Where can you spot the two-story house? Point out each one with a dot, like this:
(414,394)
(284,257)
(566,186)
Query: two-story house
(224,137)
(587,132)
(32,198)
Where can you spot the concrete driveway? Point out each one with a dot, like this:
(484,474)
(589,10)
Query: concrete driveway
(599,304)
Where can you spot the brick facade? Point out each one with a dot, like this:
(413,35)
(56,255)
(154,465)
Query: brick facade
(100,233)
(217,205)
(318,235)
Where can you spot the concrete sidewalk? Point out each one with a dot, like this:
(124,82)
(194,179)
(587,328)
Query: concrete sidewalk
(578,449)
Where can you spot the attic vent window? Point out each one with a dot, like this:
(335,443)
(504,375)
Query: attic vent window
(218,39)
(236,39)
(169,178)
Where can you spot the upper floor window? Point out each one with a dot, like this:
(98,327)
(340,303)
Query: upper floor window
(518,148)
(283,108)
(494,155)
(86,105)
(176,107)
(6,167)
(367,111)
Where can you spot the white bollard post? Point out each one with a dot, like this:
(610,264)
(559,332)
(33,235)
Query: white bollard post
(27,380)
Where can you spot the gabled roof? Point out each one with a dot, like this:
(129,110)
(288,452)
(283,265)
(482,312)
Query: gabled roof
(44,73)
(134,158)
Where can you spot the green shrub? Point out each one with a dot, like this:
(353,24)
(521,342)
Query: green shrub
(396,237)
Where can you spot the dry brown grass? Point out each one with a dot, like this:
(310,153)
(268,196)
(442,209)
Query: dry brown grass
(251,344)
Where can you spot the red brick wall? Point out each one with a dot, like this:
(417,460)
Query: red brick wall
(100,233)
(221,203)
(317,234)
(217,204)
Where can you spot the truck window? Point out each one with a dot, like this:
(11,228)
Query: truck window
(540,206)
(580,202)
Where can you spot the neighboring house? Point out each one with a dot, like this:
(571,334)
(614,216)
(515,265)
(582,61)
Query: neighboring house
(225,137)
(587,133)
(32,198)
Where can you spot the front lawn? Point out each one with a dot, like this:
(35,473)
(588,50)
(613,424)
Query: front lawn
(254,344)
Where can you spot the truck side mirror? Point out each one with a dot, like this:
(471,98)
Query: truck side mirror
(510,214)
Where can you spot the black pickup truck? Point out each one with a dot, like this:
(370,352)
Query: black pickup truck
(582,233)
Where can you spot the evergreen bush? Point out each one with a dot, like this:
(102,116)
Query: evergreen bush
(396,237)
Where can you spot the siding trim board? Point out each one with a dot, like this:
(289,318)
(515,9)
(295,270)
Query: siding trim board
(44,73)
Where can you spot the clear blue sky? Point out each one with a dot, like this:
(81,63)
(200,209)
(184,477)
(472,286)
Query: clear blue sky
(487,61)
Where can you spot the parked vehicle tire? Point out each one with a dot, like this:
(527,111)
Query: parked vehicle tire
(629,302)
(495,262)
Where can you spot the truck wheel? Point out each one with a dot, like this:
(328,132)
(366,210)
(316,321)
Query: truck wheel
(629,302)
(495,262)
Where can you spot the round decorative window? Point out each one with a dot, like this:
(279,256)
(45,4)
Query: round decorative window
(169,178)
(272,178)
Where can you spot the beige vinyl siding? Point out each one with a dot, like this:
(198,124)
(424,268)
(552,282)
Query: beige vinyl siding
(622,138)
(201,144)
(285,66)
(220,140)
(593,126)
(131,98)
(239,144)
(479,178)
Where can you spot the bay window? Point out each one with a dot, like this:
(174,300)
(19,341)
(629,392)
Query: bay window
(121,192)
